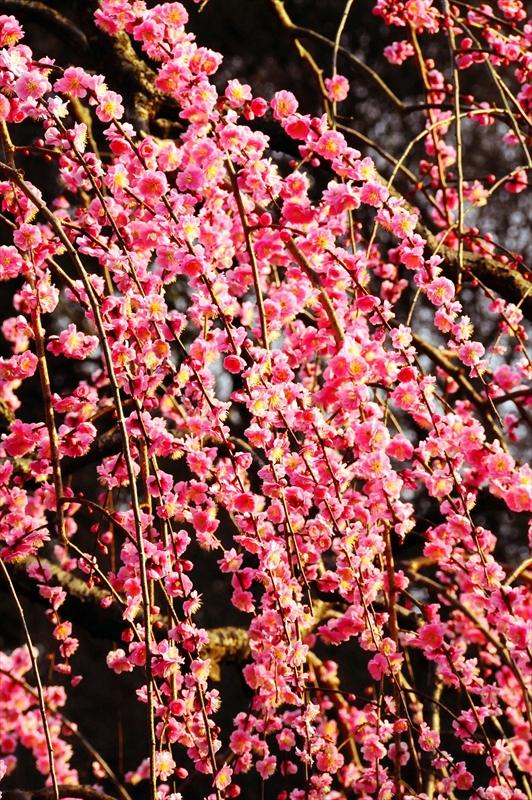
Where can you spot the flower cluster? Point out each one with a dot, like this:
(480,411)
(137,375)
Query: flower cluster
(197,265)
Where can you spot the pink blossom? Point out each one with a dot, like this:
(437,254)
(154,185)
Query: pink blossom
(109,106)
(398,52)
(27,237)
(11,262)
(471,353)
(331,145)
(372,749)
(296,126)
(32,85)
(518,182)
(73,343)
(430,636)
(23,438)
(10,31)
(283,104)
(152,185)
(74,82)
(237,93)
(266,767)
(5,107)
(374,194)
(337,88)
(440,291)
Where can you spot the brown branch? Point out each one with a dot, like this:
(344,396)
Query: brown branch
(225,644)
(509,283)
(300,258)
(506,282)
(304,54)
(53,21)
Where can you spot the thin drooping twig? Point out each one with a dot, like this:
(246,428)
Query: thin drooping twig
(251,254)
(302,51)
(359,65)
(336,48)
(301,259)
(54,789)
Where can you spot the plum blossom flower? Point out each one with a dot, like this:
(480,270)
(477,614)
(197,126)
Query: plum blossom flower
(237,93)
(283,104)
(331,145)
(374,194)
(32,85)
(337,88)
(440,291)
(471,353)
(372,748)
(10,31)
(5,107)
(165,764)
(398,52)
(11,262)
(109,106)
(24,437)
(152,184)
(72,343)
(74,82)
(518,182)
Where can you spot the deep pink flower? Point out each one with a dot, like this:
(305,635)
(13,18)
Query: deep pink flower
(152,185)
(374,194)
(73,343)
(283,104)
(337,88)
(518,182)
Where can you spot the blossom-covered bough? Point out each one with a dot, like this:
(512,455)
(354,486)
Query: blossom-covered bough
(321,378)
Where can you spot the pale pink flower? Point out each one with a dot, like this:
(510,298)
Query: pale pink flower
(109,107)
(471,353)
(440,291)
(32,85)
(74,82)
(237,93)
